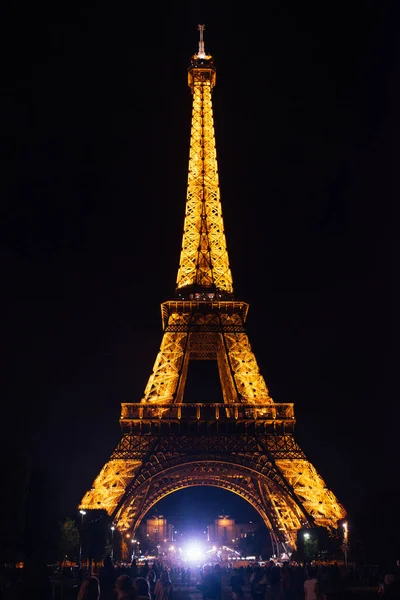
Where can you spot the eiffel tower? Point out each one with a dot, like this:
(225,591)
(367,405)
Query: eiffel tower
(244,443)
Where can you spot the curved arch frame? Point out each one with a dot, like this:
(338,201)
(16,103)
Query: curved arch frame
(244,480)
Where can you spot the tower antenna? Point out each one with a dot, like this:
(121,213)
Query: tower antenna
(201,53)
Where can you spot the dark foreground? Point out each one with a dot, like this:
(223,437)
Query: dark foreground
(354,593)
(67,589)
(189,592)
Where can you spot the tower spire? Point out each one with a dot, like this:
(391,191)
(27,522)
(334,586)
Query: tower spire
(204,264)
(201,53)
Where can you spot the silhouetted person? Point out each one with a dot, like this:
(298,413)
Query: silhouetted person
(144,570)
(258,584)
(311,588)
(134,569)
(90,589)
(286,579)
(141,589)
(152,579)
(237,584)
(335,577)
(212,584)
(393,590)
(164,589)
(275,582)
(156,569)
(107,577)
(124,588)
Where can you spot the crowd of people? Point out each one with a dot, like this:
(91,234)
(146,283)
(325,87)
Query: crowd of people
(271,581)
(290,581)
(149,582)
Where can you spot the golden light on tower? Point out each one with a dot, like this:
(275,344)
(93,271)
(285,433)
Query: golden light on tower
(245,442)
(204,258)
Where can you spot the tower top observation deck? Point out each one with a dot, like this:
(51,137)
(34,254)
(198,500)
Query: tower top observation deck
(201,65)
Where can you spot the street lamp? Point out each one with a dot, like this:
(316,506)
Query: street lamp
(83,513)
(112,541)
(135,548)
(345,545)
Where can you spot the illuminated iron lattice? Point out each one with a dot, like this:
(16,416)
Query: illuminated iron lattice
(245,443)
(204,257)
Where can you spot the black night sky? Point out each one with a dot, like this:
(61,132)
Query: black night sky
(95,124)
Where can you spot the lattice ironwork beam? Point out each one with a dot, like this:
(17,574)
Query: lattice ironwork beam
(283,517)
(204,258)
(232,412)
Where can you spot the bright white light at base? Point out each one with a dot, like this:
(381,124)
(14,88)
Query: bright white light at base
(194,553)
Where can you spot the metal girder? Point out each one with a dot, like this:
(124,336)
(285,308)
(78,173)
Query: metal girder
(206,305)
(211,413)
(204,257)
(241,480)
(227,338)
(273,462)
(312,491)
